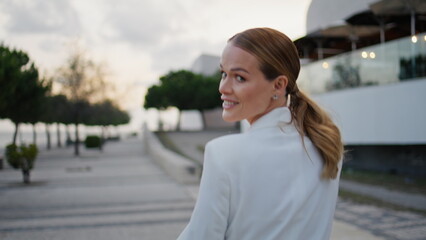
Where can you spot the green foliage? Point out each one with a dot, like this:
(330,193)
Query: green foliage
(413,67)
(22,157)
(105,114)
(22,93)
(345,75)
(180,88)
(155,98)
(13,156)
(184,90)
(60,108)
(93,141)
(29,155)
(208,96)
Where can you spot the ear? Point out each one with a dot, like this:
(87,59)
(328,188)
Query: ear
(280,84)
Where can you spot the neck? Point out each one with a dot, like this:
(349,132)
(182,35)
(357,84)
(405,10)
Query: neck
(274,104)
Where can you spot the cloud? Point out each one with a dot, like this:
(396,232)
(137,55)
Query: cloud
(39,16)
(143,23)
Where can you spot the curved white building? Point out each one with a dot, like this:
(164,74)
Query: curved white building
(375,93)
(323,13)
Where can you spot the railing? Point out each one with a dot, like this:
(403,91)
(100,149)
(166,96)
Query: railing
(391,62)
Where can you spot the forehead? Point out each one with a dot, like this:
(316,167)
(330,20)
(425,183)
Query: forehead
(233,57)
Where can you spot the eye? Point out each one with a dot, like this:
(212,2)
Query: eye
(223,75)
(240,79)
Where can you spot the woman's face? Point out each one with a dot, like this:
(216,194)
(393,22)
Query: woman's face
(246,93)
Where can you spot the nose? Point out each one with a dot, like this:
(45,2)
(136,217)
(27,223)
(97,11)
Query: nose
(225,86)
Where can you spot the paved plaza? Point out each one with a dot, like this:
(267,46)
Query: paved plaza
(117,194)
(121,193)
(386,223)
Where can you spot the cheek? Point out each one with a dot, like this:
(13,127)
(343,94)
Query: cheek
(256,95)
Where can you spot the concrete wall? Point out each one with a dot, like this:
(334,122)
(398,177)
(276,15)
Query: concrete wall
(390,114)
(383,127)
(177,166)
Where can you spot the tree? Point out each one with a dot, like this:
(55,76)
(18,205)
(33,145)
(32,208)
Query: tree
(106,114)
(82,82)
(155,98)
(61,112)
(185,91)
(22,92)
(180,87)
(208,97)
(48,117)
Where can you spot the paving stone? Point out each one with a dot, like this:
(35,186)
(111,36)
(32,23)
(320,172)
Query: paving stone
(119,193)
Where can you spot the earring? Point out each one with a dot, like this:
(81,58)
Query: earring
(275,97)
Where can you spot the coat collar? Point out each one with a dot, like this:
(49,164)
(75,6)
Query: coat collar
(278,117)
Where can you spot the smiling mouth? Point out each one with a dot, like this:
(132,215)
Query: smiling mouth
(229,104)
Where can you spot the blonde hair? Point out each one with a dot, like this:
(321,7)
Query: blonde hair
(277,55)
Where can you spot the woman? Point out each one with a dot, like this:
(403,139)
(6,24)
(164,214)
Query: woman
(279,180)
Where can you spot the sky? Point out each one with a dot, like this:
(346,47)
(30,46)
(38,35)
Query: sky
(137,41)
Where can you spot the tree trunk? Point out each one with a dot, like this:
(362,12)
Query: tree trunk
(48,136)
(179,119)
(103,128)
(67,132)
(77,141)
(203,118)
(15,133)
(34,135)
(58,135)
(26,175)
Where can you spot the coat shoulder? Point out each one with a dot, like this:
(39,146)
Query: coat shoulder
(226,149)
(227,142)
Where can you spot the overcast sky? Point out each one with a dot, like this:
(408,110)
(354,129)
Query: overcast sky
(138,40)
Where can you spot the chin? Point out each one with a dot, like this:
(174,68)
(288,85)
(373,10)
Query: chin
(230,119)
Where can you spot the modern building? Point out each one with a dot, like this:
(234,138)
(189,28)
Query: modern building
(206,64)
(365,61)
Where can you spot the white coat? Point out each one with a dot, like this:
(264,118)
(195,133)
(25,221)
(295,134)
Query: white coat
(263,185)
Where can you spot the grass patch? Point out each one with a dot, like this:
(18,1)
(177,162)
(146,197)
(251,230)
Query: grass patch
(367,200)
(390,181)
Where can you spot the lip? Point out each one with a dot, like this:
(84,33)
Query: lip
(229,103)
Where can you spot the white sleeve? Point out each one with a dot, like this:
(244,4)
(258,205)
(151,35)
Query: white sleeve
(209,219)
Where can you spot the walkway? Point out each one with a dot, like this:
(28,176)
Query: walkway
(122,194)
(117,194)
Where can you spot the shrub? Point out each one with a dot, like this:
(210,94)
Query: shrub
(13,156)
(93,142)
(22,157)
(29,154)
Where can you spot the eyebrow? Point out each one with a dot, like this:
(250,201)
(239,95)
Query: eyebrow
(236,69)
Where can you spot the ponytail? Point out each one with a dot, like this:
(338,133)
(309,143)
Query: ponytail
(315,123)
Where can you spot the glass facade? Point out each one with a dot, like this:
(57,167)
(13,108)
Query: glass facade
(391,62)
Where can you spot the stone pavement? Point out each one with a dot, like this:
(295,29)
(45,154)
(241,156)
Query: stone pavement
(409,200)
(117,194)
(386,223)
(122,194)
